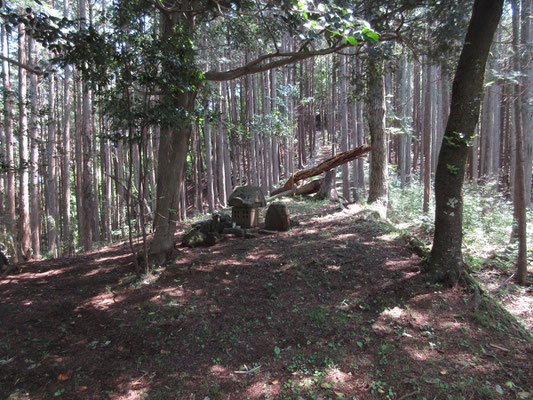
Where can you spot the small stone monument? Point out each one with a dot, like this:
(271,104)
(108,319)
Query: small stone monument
(277,218)
(245,202)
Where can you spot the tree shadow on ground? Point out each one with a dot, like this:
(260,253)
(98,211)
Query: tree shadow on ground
(336,307)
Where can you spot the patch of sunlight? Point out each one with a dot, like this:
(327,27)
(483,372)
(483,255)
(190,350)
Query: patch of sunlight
(346,236)
(389,237)
(418,354)
(336,376)
(218,370)
(395,313)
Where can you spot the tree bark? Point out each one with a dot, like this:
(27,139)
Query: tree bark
(344,126)
(10,220)
(35,207)
(446,259)
(427,138)
(527,94)
(65,159)
(209,165)
(51,194)
(24,248)
(327,189)
(519,200)
(375,107)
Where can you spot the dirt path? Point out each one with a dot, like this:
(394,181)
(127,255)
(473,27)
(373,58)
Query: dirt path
(334,308)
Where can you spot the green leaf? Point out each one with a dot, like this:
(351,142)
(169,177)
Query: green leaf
(371,34)
(352,40)
(277,350)
(499,389)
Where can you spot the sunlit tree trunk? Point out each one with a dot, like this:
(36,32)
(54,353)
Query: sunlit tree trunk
(35,206)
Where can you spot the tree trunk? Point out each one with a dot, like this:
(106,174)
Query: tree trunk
(527,94)
(519,183)
(344,126)
(35,207)
(11,218)
(375,108)
(65,159)
(51,194)
(427,137)
(24,195)
(446,259)
(209,165)
(173,146)
(327,189)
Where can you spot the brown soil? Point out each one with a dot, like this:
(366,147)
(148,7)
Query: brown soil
(334,308)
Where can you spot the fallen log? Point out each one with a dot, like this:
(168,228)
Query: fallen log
(308,188)
(324,166)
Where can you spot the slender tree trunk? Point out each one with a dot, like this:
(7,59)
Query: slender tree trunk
(427,138)
(209,167)
(344,126)
(446,259)
(25,252)
(11,218)
(220,149)
(275,140)
(51,194)
(519,182)
(65,159)
(526,97)
(86,195)
(35,207)
(417,132)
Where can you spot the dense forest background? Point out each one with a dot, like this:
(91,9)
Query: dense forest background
(82,123)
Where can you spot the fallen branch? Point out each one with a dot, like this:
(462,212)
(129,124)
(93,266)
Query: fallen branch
(308,188)
(324,166)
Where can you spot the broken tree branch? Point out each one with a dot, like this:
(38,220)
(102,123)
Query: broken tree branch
(324,166)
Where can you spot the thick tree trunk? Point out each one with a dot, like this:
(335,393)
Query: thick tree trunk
(173,147)
(375,108)
(446,259)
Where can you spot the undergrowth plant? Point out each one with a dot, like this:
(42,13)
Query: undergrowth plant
(487,220)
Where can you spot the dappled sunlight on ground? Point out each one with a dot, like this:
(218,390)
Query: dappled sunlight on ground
(334,308)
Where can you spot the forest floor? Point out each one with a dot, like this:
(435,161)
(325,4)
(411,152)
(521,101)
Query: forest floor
(336,308)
